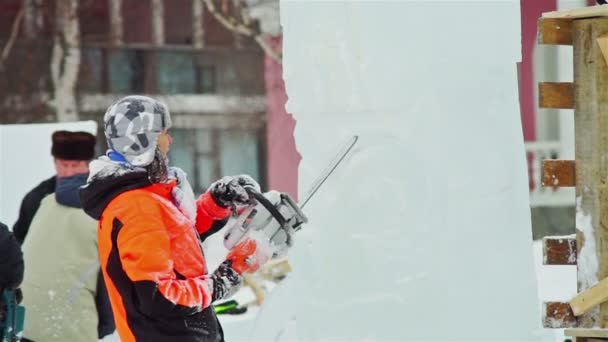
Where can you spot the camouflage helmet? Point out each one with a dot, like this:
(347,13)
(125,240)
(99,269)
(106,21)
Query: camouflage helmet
(132,126)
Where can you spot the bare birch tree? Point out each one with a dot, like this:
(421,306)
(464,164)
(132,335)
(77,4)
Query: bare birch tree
(235,16)
(65,60)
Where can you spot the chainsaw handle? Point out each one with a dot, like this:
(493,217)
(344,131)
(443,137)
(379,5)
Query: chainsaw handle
(267,204)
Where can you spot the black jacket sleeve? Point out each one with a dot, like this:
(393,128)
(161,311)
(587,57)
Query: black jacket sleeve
(106,324)
(11,260)
(215,227)
(29,207)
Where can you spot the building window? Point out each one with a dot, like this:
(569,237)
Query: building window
(176,73)
(128,70)
(206,79)
(208,154)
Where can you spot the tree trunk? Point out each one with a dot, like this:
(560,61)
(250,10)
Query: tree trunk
(65,61)
(198,30)
(33,18)
(158,23)
(116,29)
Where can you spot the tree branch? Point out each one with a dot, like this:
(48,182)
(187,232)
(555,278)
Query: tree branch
(11,41)
(235,25)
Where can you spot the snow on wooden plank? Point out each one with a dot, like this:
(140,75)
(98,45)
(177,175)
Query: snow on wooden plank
(558,315)
(578,13)
(559,173)
(590,298)
(559,250)
(556,95)
(554,31)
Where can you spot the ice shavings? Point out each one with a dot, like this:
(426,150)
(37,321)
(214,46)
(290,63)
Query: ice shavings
(588,264)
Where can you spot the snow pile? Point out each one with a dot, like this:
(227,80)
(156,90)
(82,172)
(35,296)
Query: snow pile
(424,232)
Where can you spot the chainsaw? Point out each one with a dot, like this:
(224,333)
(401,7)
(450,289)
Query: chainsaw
(274,216)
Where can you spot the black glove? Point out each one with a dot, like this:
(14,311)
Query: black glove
(230,191)
(226,281)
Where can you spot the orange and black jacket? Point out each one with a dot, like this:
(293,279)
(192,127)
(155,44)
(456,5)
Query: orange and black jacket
(151,258)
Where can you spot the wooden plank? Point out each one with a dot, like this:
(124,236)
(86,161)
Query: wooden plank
(602,42)
(559,250)
(589,339)
(554,31)
(258,291)
(559,173)
(275,270)
(591,148)
(556,95)
(581,332)
(579,13)
(558,315)
(590,298)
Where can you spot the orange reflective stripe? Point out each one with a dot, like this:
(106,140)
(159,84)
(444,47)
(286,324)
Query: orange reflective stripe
(190,292)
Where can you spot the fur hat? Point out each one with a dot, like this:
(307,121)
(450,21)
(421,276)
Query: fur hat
(73,145)
(132,126)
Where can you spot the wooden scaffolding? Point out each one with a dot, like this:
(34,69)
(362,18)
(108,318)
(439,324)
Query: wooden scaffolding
(586,30)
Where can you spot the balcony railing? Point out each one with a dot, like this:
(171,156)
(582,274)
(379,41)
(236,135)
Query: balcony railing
(536,152)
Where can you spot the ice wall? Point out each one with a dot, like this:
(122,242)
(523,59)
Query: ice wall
(424,232)
(25,161)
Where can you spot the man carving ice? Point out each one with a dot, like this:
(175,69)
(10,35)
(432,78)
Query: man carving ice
(149,230)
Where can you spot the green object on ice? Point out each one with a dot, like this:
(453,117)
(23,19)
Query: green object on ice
(221,308)
(230,307)
(12,316)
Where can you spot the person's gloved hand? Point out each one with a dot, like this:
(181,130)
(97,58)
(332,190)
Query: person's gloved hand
(226,281)
(249,255)
(230,191)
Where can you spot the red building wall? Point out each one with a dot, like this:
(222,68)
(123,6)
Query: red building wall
(282,158)
(531,10)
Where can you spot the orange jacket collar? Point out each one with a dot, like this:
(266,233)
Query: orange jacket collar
(163,189)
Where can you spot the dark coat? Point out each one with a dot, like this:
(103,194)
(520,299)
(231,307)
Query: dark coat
(29,207)
(11,260)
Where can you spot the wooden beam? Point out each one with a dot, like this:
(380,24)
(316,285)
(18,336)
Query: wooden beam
(258,291)
(585,301)
(556,95)
(588,339)
(559,173)
(602,42)
(554,31)
(591,148)
(275,270)
(558,315)
(559,250)
(581,332)
(579,13)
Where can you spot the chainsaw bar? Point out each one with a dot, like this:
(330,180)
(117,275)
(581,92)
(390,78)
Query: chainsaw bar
(330,169)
